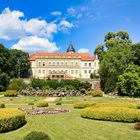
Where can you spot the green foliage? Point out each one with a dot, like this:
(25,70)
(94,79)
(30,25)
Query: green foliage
(10,93)
(2,105)
(129,82)
(115,55)
(10,119)
(21,64)
(42,103)
(4,81)
(58,103)
(84,104)
(118,114)
(136,53)
(17,84)
(119,104)
(36,135)
(55,84)
(31,103)
(97,93)
(115,61)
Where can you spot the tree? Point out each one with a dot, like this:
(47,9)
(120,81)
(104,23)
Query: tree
(5,61)
(115,55)
(4,80)
(129,82)
(20,62)
(136,53)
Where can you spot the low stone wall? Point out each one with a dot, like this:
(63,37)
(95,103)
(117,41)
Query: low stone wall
(54,93)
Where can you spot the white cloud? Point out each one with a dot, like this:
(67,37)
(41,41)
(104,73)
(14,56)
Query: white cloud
(83,50)
(56,13)
(64,25)
(13,26)
(35,44)
(71,10)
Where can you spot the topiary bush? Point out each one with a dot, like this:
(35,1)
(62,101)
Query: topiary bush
(34,135)
(31,103)
(119,104)
(84,104)
(58,103)
(2,105)
(97,93)
(119,114)
(42,103)
(10,93)
(137,126)
(10,119)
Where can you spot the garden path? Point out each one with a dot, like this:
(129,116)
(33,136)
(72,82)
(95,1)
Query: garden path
(50,99)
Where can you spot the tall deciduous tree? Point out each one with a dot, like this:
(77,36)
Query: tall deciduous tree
(21,63)
(115,55)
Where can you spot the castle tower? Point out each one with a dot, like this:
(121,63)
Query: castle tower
(70,49)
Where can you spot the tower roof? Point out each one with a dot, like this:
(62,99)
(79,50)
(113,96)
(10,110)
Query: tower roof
(70,48)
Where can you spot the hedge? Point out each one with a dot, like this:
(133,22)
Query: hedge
(119,104)
(35,135)
(42,103)
(97,93)
(84,104)
(10,119)
(10,93)
(119,114)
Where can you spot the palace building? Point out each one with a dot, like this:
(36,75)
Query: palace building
(68,65)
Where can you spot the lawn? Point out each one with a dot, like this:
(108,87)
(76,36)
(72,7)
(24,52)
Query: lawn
(69,126)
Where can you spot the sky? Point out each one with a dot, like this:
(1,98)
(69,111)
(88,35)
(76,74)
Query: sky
(50,25)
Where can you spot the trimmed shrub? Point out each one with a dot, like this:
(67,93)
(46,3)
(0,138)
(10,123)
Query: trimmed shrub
(58,103)
(2,105)
(30,103)
(137,126)
(10,93)
(10,119)
(84,104)
(97,93)
(34,135)
(118,114)
(119,104)
(17,84)
(42,103)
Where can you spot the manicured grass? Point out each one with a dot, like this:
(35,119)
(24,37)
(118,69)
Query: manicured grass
(70,126)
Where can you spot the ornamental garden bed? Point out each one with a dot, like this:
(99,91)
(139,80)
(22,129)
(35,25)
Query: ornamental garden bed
(43,111)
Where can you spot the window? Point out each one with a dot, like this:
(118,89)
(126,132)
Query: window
(66,71)
(39,71)
(49,71)
(71,71)
(76,63)
(76,71)
(85,64)
(89,71)
(95,64)
(49,63)
(53,63)
(61,63)
(43,63)
(66,63)
(85,71)
(39,63)
(89,64)
(57,63)
(72,63)
(43,71)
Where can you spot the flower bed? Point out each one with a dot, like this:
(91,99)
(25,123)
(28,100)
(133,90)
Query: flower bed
(43,111)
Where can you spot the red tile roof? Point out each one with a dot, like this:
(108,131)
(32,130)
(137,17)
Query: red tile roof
(82,56)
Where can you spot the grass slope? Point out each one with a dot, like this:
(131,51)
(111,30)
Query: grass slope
(70,126)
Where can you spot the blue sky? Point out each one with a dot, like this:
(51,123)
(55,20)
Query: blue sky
(49,25)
